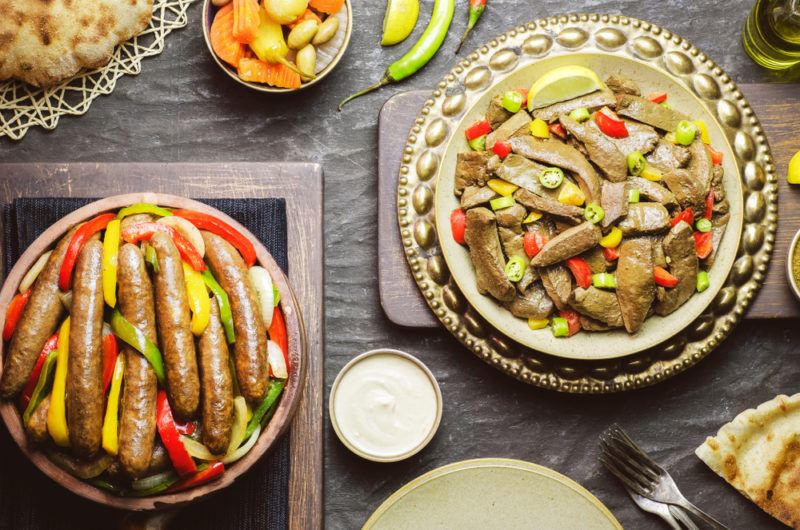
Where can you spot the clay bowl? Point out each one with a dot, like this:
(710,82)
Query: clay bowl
(276,427)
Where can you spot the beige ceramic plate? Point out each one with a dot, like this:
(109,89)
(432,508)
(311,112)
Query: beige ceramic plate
(492,493)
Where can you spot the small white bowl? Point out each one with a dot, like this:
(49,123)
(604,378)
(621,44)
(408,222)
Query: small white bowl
(375,457)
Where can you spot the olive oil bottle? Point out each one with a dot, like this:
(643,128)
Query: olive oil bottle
(771,34)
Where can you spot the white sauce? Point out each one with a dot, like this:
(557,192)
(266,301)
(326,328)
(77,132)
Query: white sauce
(385,405)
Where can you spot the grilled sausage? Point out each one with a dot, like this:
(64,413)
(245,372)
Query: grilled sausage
(174,329)
(250,349)
(137,429)
(216,384)
(85,364)
(37,423)
(159,461)
(39,321)
(135,219)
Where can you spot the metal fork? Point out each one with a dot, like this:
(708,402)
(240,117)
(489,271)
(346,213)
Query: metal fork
(661,510)
(628,462)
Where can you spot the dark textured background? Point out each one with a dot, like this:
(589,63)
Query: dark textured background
(182,109)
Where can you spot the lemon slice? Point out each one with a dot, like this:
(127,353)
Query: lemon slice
(561,84)
(794,169)
(399,21)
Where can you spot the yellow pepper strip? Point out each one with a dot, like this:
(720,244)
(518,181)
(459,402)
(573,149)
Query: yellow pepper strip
(571,194)
(538,323)
(793,176)
(533,216)
(539,128)
(199,301)
(501,187)
(110,254)
(651,173)
(701,126)
(57,414)
(612,239)
(111,421)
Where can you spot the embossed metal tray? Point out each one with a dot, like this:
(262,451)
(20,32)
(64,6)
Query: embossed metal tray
(594,40)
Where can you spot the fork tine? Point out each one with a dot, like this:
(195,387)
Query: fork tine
(637,461)
(627,482)
(621,438)
(632,472)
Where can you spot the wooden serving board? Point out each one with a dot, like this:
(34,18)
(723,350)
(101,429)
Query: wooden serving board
(301,185)
(776,105)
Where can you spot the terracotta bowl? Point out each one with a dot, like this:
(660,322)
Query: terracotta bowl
(275,428)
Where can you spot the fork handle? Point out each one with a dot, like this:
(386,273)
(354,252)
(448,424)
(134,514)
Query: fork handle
(694,510)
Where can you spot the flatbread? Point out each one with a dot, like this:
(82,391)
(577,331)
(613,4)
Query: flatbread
(758,453)
(44,42)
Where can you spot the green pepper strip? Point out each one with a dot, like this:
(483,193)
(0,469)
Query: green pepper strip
(42,386)
(151,257)
(132,335)
(104,484)
(143,207)
(274,390)
(225,312)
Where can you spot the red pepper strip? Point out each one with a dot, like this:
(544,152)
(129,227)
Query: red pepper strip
(458,225)
(611,254)
(186,428)
(664,278)
(277,333)
(658,97)
(14,312)
(81,235)
(479,128)
(686,215)
(110,351)
(533,242)
(170,437)
(709,205)
(704,244)
(144,231)
(716,156)
(558,130)
(573,320)
(222,229)
(213,471)
(581,270)
(27,392)
(524,92)
(610,124)
(501,149)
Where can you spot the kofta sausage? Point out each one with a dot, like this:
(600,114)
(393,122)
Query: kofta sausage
(37,423)
(137,428)
(174,329)
(217,384)
(85,401)
(38,322)
(135,219)
(250,349)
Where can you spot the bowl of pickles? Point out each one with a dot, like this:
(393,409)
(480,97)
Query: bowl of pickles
(277,46)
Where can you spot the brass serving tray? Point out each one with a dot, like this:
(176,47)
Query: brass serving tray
(621,39)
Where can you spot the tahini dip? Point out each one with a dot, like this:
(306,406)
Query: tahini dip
(385,405)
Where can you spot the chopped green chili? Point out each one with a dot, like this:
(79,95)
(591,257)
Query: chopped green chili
(685,132)
(512,101)
(515,268)
(580,114)
(478,144)
(633,195)
(703,225)
(594,213)
(604,280)
(636,163)
(703,282)
(551,177)
(560,327)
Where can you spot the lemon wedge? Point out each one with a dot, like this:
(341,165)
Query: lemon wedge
(399,21)
(794,169)
(561,84)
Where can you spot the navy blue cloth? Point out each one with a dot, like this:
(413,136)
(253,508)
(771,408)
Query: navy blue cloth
(30,500)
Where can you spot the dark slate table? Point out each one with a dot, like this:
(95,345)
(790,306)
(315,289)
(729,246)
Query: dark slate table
(181,108)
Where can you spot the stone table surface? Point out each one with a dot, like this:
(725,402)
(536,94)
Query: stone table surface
(181,108)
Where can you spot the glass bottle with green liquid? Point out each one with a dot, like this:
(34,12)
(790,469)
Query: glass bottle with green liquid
(771,34)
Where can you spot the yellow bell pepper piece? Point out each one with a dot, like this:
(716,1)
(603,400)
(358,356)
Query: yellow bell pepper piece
(57,414)
(794,169)
(539,128)
(111,420)
(571,194)
(612,239)
(537,323)
(199,302)
(703,129)
(651,173)
(533,216)
(110,255)
(501,187)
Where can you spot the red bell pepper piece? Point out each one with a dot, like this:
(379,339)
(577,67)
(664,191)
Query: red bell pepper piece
(658,97)
(186,428)
(277,333)
(664,278)
(704,244)
(458,225)
(611,254)
(144,231)
(524,92)
(709,205)
(608,122)
(14,312)
(573,320)
(558,130)
(213,471)
(716,156)
(27,392)
(180,457)
(110,352)
(222,229)
(477,129)
(501,149)
(533,242)
(81,235)
(686,215)
(581,270)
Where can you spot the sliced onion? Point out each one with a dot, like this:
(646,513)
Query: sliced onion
(79,468)
(187,230)
(262,284)
(198,450)
(152,481)
(239,425)
(277,362)
(33,272)
(243,450)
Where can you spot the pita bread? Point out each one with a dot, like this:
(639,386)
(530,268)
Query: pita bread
(44,42)
(758,453)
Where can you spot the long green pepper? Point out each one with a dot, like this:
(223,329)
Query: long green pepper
(476,9)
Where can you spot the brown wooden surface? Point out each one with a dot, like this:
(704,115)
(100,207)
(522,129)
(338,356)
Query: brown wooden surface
(301,186)
(776,105)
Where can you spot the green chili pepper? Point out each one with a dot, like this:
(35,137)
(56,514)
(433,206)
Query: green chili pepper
(225,312)
(594,213)
(104,484)
(515,269)
(551,177)
(604,280)
(580,115)
(685,132)
(703,282)
(273,392)
(502,202)
(512,101)
(42,385)
(422,52)
(151,256)
(633,195)
(560,327)
(476,8)
(132,335)
(703,225)
(143,207)
(636,163)
(478,144)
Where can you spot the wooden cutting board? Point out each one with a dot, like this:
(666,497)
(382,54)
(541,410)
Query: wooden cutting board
(301,185)
(777,106)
